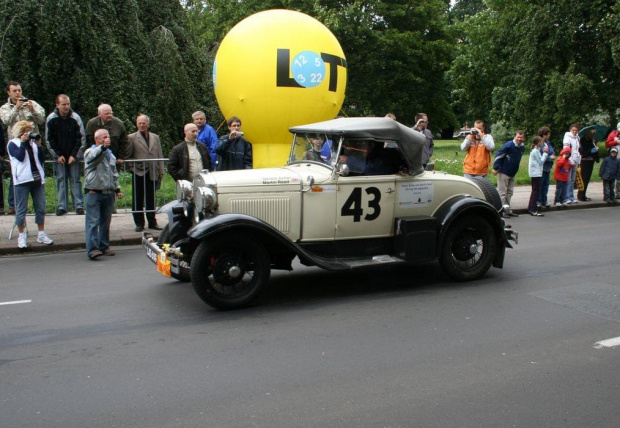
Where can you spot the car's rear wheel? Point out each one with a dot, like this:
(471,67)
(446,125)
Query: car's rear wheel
(468,248)
(229,272)
(164,238)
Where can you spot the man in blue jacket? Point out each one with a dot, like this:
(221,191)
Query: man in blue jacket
(505,167)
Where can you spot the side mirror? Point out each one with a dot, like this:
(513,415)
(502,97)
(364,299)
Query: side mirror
(342,169)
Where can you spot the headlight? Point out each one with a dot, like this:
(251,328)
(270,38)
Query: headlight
(185,190)
(205,199)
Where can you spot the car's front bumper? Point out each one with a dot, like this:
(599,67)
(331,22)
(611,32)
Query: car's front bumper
(156,254)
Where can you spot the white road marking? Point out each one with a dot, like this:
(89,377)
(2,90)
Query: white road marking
(16,302)
(608,343)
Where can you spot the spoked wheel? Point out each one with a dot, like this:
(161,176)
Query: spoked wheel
(229,272)
(164,238)
(468,249)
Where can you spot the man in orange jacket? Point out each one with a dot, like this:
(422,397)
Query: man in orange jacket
(478,146)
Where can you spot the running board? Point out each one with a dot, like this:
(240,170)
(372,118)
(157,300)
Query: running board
(375,260)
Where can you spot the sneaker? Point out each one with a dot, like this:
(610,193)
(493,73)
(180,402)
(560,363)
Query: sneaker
(568,202)
(79,211)
(108,252)
(557,204)
(21,241)
(576,201)
(536,214)
(60,212)
(44,239)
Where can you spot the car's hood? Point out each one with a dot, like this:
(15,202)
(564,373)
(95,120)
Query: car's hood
(268,179)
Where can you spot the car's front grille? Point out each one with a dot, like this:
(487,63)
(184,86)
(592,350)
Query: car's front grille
(275,211)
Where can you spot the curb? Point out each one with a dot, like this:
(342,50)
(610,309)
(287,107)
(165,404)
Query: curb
(64,246)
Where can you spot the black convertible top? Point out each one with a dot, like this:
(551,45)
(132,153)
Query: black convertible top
(410,142)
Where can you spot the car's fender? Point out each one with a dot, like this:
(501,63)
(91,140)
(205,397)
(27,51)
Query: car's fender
(464,205)
(274,241)
(178,223)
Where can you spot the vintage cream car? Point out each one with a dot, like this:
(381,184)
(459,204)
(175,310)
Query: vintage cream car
(352,195)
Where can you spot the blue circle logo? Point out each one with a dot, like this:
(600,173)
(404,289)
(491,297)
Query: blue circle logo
(308,69)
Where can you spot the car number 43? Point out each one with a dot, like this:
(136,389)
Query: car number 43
(353,205)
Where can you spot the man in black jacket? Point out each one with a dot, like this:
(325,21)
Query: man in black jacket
(66,141)
(187,159)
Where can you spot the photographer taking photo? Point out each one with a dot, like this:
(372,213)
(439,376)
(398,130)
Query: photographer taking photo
(19,108)
(27,159)
(478,146)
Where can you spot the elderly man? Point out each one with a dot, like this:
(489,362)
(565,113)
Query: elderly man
(66,141)
(101,185)
(187,159)
(144,145)
(16,109)
(206,135)
(116,129)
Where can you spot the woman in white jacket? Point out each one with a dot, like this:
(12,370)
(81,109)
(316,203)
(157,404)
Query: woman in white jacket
(537,159)
(571,139)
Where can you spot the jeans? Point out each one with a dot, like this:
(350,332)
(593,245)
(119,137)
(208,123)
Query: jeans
(570,186)
(68,176)
(560,191)
(474,175)
(544,189)
(37,190)
(608,190)
(99,208)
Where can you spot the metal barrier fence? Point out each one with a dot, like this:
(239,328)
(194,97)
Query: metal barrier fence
(162,193)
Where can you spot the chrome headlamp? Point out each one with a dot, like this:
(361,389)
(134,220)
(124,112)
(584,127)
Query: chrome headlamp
(205,200)
(185,190)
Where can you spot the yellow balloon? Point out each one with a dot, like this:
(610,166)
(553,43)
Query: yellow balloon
(277,69)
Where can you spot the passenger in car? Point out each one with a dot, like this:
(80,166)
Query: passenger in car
(314,154)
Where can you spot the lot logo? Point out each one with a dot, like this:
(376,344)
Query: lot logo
(308,69)
(277,69)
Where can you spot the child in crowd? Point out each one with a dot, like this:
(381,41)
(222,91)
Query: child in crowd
(562,177)
(536,171)
(610,172)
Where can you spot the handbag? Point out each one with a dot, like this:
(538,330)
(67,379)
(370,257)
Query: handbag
(579,180)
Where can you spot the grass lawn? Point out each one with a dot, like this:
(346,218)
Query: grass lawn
(448,157)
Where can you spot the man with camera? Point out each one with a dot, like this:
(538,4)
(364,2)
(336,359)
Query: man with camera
(234,151)
(16,109)
(478,146)
(421,125)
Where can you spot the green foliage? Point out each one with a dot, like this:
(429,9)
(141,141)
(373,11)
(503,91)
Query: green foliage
(533,63)
(137,56)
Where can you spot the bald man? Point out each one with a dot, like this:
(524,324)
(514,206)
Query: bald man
(187,159)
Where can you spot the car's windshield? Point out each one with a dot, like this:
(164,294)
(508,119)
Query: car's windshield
(315,147)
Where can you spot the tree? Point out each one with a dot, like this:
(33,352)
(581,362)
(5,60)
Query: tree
(525,64)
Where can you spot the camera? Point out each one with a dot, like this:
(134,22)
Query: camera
(24,101)
(240,134)
(34,136)
(473,132)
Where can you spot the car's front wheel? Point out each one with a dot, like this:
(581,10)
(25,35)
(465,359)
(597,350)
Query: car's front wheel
(468,248)
(229,272)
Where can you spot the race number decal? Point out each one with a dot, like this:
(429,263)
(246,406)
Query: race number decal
(353,205)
